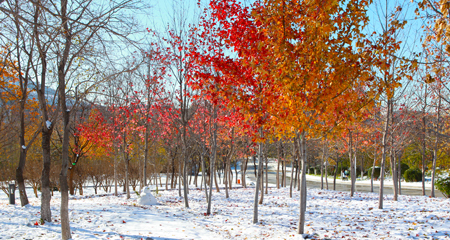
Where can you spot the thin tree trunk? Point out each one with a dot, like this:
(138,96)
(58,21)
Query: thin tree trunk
(115,172)
(373,167)
(423,141)
(394,174)
(297,173)
(172,182)
(179,178)
(399,173)
(185,161)
(243,171)
(278,168)
(261,197)
(303,192)
(393,158)
(254,164)
(226,177)
(383,153)
(212,158)
(258,182)
(335,173)
(292,167)
(126,182)
(284,173)
(352,167)
(321,165)
(127,163)
(216,182)
(167,178)
(267,174)
(436,143)
(202,159)
(326,173)
(146,142)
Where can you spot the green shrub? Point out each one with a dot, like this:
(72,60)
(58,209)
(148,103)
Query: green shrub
(404,167)
(443,185)
(376,173)
(413,175)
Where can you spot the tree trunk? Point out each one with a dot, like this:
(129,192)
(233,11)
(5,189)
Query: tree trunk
(321,166)
(292,176)
(436,143)
(394,174)
(127,177)
(185,163)
(19,177)
(167,178)
(352,164)
(179,178)
(373,167)
(216,182)
(46,196)
(65,225)
(226,177)
(267,172)
(297,176)
(284,172)
(243,171)
(144,177)
(202,159)
(258,182)
(278,169)
(23,151)
(303,193)
(172,182)
(212,159)
(254,164)
(424,132)
(383,153)
(261,197)
(115,172)
(335,173)
(399,173)
(326,173)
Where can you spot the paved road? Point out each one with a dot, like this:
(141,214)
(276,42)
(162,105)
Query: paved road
(345,186)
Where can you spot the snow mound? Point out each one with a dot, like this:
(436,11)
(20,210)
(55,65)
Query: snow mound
(147,197)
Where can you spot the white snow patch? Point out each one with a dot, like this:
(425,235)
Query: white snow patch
(147,197)
(49,124)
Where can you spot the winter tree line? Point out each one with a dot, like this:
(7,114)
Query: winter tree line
(89,96)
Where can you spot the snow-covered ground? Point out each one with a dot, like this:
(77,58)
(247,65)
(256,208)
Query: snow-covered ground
(330,214)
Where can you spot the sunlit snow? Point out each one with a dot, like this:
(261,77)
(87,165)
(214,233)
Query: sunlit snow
(330,214)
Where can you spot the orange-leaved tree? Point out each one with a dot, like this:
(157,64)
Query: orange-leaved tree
(310,58)
(15,99)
